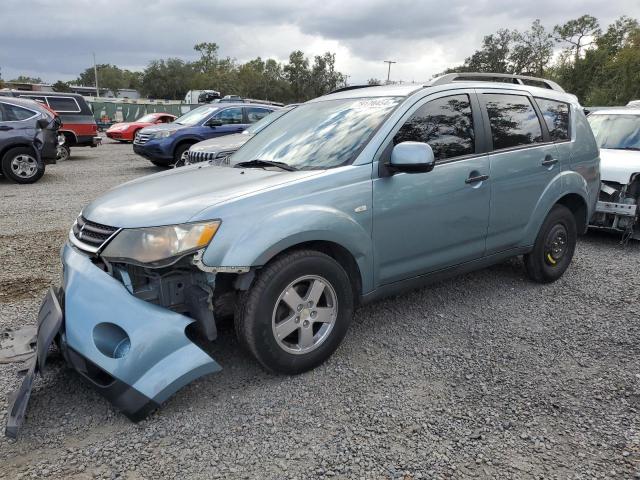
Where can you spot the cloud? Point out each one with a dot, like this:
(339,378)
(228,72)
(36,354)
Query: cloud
(56,39)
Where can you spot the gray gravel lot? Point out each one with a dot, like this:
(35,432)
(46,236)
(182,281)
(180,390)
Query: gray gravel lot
(486,375)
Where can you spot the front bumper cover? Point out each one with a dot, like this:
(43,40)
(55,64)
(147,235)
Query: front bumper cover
(100,316)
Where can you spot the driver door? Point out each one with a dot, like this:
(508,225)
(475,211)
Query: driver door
(423,222)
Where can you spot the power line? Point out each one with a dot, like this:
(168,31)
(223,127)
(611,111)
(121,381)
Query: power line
(389,70)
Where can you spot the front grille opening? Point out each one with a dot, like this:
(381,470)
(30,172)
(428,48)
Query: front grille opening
(91,233)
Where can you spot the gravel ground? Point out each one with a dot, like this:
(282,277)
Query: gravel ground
(486,375)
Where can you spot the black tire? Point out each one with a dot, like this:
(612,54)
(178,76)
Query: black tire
(180,149)
(256,309)
(554,246)
(158,163)
(8,170)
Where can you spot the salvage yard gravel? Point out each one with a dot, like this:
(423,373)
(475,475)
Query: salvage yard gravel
(487,375)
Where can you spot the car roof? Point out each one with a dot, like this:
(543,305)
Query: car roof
(34,93)
(240,104)
(617,111)
(408,90)
(24,102)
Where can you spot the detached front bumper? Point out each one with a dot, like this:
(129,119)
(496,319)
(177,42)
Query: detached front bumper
(135,353)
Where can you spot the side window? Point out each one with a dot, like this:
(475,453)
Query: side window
(513,120)
(13,113)
(446,124)
(556,116)
(255,113)
(64,104)
(230,116)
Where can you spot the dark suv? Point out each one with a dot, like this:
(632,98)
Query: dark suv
(28,139)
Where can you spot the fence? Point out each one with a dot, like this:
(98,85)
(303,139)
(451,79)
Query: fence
(107,113)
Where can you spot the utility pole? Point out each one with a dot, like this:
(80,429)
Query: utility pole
(389,70)
(95,73)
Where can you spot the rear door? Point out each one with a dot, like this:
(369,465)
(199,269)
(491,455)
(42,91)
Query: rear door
(523,162)
(256,113)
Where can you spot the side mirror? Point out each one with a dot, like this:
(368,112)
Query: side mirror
(214,122)
(412,157)
(42,123)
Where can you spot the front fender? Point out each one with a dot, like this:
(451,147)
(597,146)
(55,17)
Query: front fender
(272,234)
(565,183)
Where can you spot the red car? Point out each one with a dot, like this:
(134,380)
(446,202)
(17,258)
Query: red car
(126,131)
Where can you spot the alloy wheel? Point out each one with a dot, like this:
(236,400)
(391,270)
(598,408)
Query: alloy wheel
(24,165)
(304,314)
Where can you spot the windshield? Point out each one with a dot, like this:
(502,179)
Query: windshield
(319,135)
(197,115)
(148,118)
(263,122)
(616,131)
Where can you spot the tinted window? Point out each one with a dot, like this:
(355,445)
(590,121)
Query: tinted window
(513,120)
(230,116)
(63,104)
(12,113)
(556,116)
(445,124)
(254,114)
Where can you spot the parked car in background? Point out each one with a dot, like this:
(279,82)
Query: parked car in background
(345,199)
(28,139)
(78,125)
(201,96)
(217,150)
(634,103)
(126,131)
(164,145)
(617,131)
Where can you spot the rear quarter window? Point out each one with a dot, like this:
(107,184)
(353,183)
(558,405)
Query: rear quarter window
(64,104)
(13,113)
(513,120)
(556,117)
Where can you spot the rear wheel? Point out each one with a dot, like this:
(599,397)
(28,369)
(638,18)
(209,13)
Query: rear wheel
(21,165)
(554,246)
(63,152)
(297,312)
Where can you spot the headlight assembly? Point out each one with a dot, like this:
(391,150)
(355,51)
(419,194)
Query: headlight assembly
(164,133)
(160,246)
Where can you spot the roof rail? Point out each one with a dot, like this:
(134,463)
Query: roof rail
(496,77)
(349,87)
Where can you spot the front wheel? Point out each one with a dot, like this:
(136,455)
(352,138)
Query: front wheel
(554,246)
(21,165)
(181,154)
(63,152)
(297,312)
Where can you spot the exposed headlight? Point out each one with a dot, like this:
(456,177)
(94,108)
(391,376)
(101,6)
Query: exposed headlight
(163,133)
(160,246)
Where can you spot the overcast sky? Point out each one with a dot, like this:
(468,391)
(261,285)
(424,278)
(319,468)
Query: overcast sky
(55,39)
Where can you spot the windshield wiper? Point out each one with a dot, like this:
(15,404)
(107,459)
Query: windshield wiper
(621,148)
(265,163)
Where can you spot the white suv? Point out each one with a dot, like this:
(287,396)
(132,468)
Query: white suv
(617,131)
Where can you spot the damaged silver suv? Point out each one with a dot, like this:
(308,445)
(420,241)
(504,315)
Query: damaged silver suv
(349,197)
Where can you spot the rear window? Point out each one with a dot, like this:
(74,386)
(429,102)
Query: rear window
(64,104)
(13,113)
(513,120)
(556,116)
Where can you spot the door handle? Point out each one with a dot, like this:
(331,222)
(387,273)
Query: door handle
(549,160)
(477,178)
(4,128)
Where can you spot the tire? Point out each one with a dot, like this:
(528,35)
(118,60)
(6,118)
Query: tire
(306,341)
(161,164)
(21,165)
(63,152)
(180,150)
(554,247)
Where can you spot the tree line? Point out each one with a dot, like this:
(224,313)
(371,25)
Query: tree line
(600,66)
(297,80)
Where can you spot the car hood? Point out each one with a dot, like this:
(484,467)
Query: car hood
(220,144)
(618,165)
(163,127)
(177,195)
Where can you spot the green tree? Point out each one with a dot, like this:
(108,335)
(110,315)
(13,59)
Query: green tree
(297,74)
(168,79)
(61,86)
(374,82)
(578,33)
(26,79)
(110,77)
(532,50)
